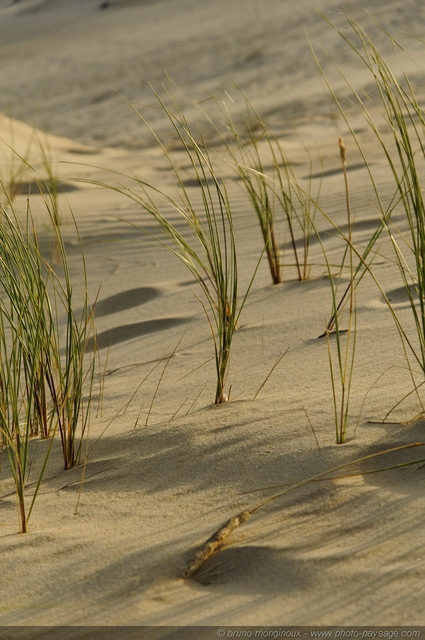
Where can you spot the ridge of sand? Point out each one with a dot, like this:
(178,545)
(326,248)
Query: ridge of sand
(160,479)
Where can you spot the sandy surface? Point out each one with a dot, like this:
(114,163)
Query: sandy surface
(160,479)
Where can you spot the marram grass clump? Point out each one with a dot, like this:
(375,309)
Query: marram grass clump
(204,238)
(45,376)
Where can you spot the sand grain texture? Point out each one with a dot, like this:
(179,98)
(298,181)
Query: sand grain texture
(341,552)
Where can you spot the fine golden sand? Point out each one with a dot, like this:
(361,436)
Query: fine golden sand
(165,469)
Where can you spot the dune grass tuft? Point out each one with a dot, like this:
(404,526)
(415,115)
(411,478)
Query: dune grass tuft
(345,339)
(204,238)
(44,375)
(393,114)
(267,175)
(404,150)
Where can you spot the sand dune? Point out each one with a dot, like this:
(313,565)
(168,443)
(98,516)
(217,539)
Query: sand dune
(167,469)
